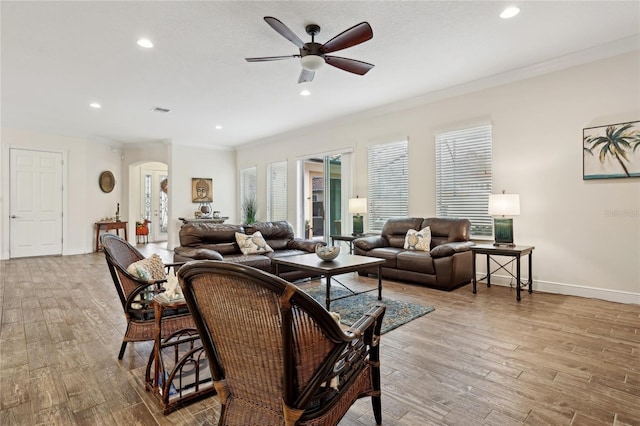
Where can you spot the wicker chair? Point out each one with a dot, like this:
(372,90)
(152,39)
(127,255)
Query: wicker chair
(136,295)
(277,356)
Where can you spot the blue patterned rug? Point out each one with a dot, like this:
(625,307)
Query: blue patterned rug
(352,308)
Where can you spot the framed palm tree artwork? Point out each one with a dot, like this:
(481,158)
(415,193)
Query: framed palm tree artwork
(611,151)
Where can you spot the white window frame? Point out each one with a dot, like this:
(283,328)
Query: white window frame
(248,186)
(463,177)
(388,183)
(277,191)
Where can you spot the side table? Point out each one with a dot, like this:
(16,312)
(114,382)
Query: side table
(107,226)
(178,368)
(349,239)
(515,252)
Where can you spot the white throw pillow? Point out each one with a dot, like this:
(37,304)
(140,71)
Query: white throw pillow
(148,269)
(252,244)
(418,240)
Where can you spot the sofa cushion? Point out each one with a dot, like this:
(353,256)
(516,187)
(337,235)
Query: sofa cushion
(198,253)
(416,261)
(448,230)
(258,261)
(252,244)
(197,234)
(387,253)
(418,240)
(395,229)
(276,234)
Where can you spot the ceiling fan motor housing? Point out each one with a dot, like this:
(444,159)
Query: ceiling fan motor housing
(311,56)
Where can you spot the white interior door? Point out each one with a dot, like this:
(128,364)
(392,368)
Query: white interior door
(35,203)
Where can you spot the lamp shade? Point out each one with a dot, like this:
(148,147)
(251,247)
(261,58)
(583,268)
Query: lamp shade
(504,204)
(357,205)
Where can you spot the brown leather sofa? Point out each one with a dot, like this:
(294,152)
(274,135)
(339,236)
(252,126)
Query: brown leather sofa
(448,264)
(202,240)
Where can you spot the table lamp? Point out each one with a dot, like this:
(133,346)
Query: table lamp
(357,206)
(502,205)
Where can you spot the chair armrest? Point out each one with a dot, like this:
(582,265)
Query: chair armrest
(371,242)
(449,249)
(306,245)
(368,325)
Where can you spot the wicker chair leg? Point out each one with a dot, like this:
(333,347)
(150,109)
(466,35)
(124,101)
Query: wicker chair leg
(377,409)
(122,348)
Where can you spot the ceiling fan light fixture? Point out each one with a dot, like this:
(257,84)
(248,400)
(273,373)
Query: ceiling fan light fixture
(312,62)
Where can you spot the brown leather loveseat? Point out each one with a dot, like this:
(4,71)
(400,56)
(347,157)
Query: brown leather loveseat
(203,240)
(448,263)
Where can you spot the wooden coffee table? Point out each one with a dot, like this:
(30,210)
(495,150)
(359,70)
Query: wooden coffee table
(340,265)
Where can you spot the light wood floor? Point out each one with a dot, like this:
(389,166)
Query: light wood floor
(478,359)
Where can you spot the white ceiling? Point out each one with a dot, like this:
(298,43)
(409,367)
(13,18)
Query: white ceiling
(57,57)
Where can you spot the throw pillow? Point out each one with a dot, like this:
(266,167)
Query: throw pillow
(148,269)
(252,244)
(418,240)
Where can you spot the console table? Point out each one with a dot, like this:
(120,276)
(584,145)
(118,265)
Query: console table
(207,220)
(516,252)
(107,226)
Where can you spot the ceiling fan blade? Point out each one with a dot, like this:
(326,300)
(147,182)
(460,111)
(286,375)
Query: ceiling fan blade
(284,31)
(354,35)
(306,76)
(350,65)
(271,58)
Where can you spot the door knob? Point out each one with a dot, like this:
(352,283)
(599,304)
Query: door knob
(13,216)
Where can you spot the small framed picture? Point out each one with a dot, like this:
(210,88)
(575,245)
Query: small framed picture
(201,190)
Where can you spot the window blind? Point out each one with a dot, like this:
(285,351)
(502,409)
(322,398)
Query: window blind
(277,191)
(463,177)
(388,180)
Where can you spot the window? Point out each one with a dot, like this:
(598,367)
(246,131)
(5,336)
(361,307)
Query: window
(463,177)
(388,183)
(248,187)
(277,191)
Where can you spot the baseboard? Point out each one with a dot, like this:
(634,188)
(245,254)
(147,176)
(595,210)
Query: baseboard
(73,252)
(570,289)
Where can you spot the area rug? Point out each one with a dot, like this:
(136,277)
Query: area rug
(352,308)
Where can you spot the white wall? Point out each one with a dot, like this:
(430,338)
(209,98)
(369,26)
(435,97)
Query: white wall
(191,162)
(587,234)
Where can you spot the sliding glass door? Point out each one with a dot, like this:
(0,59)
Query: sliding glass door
(322,185)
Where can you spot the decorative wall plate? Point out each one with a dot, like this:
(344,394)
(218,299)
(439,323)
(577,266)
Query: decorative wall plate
(107,181)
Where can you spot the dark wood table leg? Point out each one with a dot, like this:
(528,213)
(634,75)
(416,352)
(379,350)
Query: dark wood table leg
(379,282)
(327,300)
(488,270)
(530,272)
(518,277)
(474,280)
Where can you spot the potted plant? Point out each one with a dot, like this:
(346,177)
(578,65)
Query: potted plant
(249,210)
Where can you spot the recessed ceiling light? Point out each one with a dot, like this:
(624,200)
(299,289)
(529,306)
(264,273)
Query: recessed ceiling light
(510,12)
(146,43)
(305,92)
(95,105)
(218,127)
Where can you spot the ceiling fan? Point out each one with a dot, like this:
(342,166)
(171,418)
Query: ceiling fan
(313,55)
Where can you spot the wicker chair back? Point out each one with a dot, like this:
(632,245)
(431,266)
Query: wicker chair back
(277,356)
